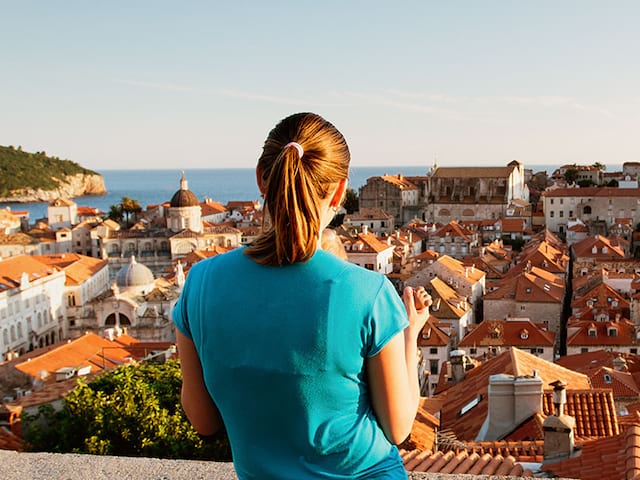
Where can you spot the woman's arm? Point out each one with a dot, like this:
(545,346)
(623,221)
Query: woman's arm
(196,401)
(392,373)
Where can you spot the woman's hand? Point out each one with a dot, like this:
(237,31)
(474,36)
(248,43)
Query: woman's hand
(416,302)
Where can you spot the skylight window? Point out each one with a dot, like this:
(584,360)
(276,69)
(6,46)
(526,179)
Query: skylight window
(470,406)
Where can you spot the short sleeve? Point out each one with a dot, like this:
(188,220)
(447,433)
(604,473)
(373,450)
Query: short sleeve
(180,316)
(388,318)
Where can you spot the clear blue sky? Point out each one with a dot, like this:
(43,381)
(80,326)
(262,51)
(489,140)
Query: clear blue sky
(170,84)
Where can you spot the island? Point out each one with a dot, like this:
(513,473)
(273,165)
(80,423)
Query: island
(37,177)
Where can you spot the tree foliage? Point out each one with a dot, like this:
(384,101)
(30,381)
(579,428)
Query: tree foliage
(19,169)
(124,210)
(351,201)
(132,411)
(570,175)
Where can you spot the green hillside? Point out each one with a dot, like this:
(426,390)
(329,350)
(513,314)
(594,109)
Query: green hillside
(20,169)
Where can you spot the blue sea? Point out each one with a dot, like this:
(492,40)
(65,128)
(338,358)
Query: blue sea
(151,187)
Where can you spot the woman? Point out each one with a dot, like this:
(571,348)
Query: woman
(307,360)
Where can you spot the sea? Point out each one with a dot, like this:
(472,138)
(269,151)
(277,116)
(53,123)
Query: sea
(152,187)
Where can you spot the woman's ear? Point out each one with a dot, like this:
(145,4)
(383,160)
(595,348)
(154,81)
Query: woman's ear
(259,179)
(339,194)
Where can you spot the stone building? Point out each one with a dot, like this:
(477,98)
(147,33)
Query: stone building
(473,193)
(595,207)
(397,195)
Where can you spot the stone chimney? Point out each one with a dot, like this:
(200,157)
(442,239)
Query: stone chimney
(365,229)
(620,364)
(512,400)
(458,363)
(558,428)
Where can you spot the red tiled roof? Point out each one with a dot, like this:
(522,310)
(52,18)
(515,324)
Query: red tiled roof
(584,248)
(614,458)
(454,229)
(9,440)
(462,463)
(77,268)
(12,268)
(400,181)
(622,383)
(473,172)
(511,333)
(578,333)
(593,192)
(535,285)
(513,362)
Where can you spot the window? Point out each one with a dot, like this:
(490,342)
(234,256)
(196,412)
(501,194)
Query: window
(613,332)
(607,378)
(552,214)
(551,201)
(433,367)
(584,350)
(587,210)
(592,332)
(433,351)
(561,213)
(633,350)
(368,266)
(473,350)
(469,406)
(561,201)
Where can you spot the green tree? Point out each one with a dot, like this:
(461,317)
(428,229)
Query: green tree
(130,206)
(599,166)
(570,175)
(132,411)
(115,213)
(351,201)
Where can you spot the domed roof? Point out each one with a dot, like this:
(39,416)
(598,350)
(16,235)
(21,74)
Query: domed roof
(134,275)
(184,197)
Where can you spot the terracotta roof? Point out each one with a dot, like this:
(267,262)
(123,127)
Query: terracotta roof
(432,335)
(12,268)
(369,214)
(77,268)
(462,463)
(614,458)
(515,225)
(622,383)
(521,450)
(210,207)
(457,268)
(9,440)
(513,362)
(590,333)
(90,350)
(369,243)
(448,304)
(584,248)
(600,296)
(18,238)
(590,361)
(535,285)
(454,229)
(593,192)
(472,172)
(424,430)
(510,333)
(62,202)
(399,181)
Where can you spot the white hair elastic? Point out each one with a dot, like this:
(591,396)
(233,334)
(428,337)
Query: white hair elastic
(298,147)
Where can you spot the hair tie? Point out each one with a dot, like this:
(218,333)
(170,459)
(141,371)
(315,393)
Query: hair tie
(298,147)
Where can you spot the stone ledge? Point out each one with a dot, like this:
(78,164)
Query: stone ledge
(48,466)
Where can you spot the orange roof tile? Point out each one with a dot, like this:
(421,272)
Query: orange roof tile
(473,172)
(514,362)
(614,458)
(510,333)
(622,383)
(462,463)
(597,246)
(12,268)
(77,268)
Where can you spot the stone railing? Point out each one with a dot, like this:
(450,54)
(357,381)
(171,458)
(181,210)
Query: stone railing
(52,466)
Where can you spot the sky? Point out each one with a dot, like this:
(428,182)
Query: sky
(187,84)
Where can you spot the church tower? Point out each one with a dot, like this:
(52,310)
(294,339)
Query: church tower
(184,211)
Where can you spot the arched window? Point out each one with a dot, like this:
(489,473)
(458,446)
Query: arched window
(444,212)
(587,210)
(468,212)
(5,336)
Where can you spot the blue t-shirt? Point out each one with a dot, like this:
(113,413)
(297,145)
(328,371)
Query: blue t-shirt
(283,353)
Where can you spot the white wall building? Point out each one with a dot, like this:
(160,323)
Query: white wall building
(31,308)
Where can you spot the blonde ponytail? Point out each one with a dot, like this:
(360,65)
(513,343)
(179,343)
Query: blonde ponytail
(295,180)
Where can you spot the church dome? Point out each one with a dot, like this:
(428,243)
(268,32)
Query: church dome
(134,275)
(184,197)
